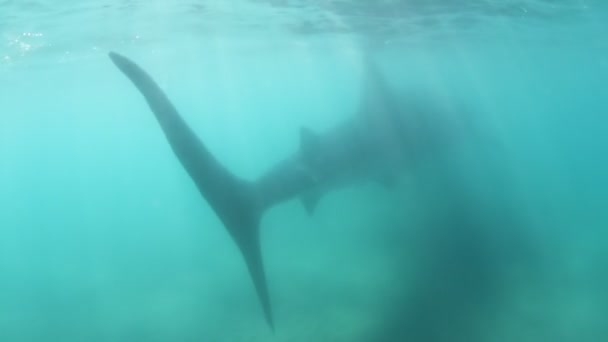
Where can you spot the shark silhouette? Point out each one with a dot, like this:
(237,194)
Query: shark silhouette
(386,134)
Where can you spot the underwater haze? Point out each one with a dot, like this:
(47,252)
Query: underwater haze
(498,235)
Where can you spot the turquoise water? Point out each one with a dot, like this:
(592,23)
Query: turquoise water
(103,236)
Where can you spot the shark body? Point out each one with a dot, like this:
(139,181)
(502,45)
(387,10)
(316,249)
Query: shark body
(375,144)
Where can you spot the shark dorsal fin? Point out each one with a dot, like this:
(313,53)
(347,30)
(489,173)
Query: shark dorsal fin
(378,102)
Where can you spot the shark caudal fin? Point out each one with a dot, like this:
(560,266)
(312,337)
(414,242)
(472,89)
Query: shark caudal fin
(234,200)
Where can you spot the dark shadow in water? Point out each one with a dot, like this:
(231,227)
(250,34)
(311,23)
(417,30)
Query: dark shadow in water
(472,246)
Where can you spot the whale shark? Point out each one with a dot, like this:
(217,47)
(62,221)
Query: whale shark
(387,134)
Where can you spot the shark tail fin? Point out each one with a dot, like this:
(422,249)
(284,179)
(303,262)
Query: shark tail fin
(234,200)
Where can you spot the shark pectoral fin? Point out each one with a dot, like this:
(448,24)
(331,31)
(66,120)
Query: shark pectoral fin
(309,143)
(234,201)
(310,201)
